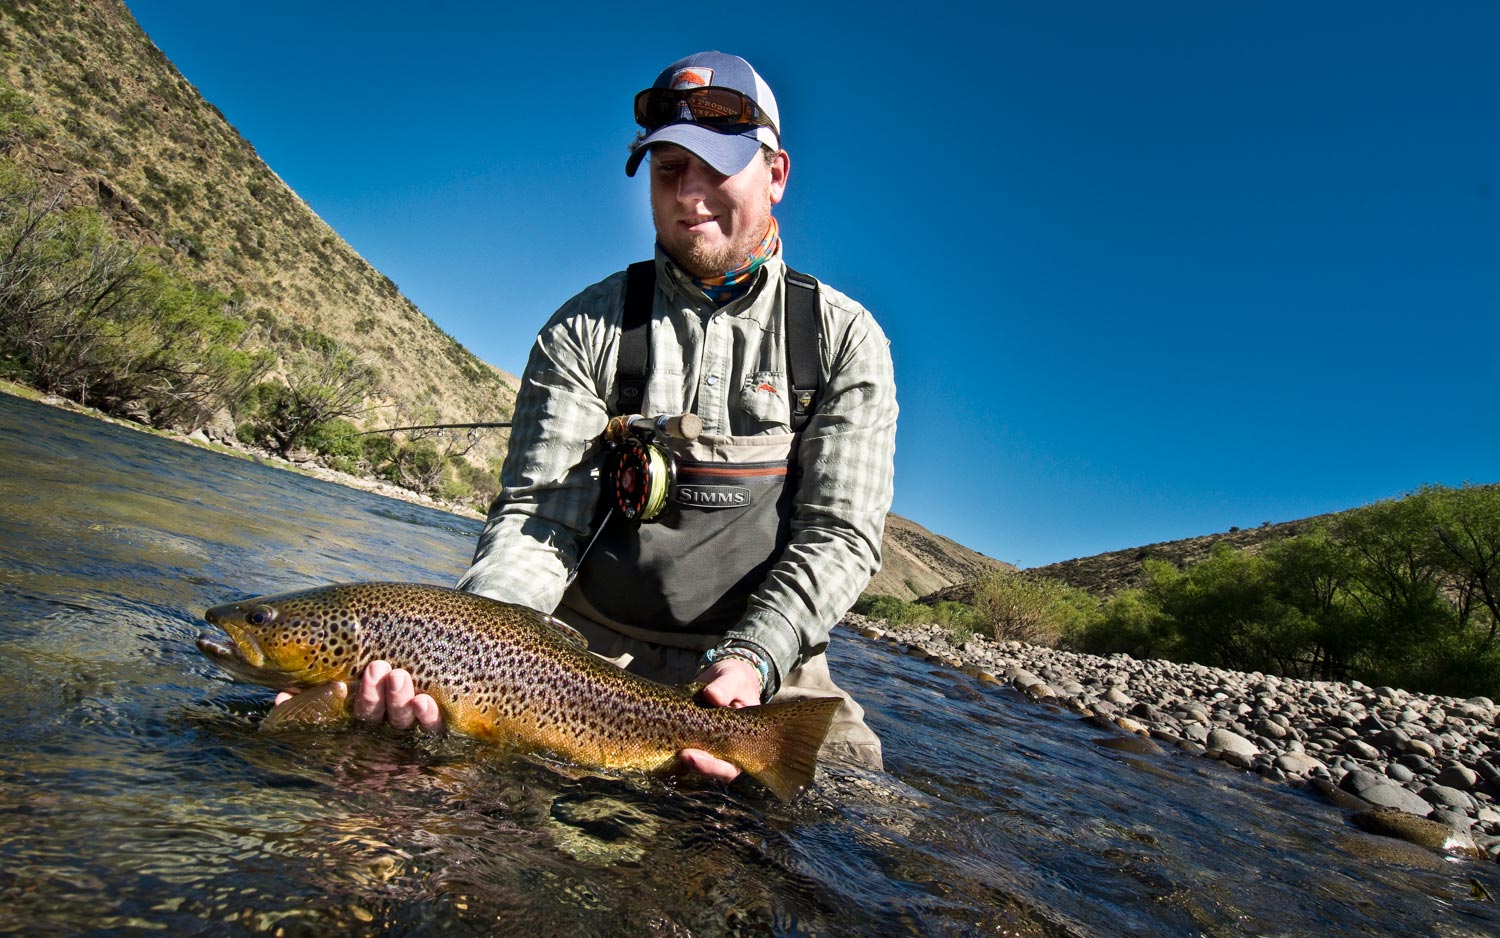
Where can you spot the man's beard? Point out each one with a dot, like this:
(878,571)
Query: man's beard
(702,261)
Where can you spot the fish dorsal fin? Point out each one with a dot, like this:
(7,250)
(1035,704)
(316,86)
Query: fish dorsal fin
(566,631)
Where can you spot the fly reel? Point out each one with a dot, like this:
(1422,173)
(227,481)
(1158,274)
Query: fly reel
(639,472)
(639,475)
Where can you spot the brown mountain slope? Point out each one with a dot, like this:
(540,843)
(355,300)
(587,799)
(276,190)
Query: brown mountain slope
(917,562)
(1108,573)
(127,132)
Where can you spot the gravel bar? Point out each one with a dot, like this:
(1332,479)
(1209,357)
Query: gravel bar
(1390,755)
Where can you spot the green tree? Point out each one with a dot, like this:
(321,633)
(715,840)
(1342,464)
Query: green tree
(893,609)
(1396,584)
(67,286)
(1467,530)
(88,316)
(1130,622)
(323,382)
(1312,575)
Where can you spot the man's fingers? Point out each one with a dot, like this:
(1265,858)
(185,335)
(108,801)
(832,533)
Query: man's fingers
(731,682)
(398,695)
(370,704)
(388,694)
(696,760)
(429,717)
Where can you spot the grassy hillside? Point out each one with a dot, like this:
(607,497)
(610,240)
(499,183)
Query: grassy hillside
(1109,573)
(115,124)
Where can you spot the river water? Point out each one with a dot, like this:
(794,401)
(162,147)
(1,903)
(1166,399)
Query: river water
(137,797)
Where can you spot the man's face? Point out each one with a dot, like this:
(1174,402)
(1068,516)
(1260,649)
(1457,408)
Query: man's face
(709,223)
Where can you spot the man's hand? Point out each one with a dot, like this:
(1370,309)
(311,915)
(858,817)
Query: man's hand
(387,694)
(729,682)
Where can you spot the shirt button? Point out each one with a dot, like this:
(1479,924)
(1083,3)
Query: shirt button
(711,380)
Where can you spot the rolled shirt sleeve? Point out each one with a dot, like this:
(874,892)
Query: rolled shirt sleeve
(549,485)
(846,459)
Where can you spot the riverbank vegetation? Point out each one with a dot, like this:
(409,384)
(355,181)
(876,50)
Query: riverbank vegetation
(92,317)
(153,267)
(1404,592)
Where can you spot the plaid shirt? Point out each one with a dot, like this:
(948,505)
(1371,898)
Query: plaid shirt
(718,364)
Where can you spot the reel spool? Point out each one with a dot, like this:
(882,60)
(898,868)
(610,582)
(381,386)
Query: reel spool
(639,476)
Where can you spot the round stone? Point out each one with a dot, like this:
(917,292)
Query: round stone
(1360,750)
(1226,741)
(1421,748)
(1359,780)
(1418,830)
(1445,797)
(1297,763)
(1459,777)
(1390,795)
(1270,729)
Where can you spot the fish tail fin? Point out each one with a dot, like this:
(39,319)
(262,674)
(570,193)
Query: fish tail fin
(784,755)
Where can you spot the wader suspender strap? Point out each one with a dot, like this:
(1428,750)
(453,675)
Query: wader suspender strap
(804,327)
(635,336)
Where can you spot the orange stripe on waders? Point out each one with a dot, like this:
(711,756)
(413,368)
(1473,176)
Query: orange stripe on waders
(733,473)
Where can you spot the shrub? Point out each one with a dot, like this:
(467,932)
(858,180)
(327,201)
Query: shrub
(893,610)
(1026,608)
(339,443)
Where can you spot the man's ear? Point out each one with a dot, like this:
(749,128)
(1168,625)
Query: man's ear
(781,168)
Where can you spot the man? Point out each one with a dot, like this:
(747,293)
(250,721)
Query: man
(735,587)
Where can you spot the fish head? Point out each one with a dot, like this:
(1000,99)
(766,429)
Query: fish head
(293,640)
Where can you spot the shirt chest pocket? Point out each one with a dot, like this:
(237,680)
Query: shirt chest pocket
(765,402)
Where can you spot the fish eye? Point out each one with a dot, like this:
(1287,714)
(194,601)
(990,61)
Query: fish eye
(261,615)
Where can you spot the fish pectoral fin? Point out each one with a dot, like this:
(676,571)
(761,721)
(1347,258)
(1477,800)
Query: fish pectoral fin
(566,631)
(323,705)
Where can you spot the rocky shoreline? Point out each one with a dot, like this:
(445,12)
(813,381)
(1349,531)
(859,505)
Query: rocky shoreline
(1411,765)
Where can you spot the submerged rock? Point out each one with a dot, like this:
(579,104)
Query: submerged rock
(1393,822)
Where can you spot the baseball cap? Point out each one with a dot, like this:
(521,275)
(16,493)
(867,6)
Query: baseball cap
(727,152)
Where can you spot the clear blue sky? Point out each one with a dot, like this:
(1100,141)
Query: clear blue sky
(1150,270)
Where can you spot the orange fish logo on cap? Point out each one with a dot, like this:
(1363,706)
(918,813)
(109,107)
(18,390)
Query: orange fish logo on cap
(692,78)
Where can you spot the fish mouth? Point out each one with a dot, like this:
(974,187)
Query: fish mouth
(216,650)
(230,657)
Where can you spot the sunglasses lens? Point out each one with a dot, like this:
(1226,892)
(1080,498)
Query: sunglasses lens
(655,107)
(716,105)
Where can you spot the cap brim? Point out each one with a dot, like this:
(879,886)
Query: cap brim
(727,153)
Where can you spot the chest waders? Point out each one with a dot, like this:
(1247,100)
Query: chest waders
(685,576)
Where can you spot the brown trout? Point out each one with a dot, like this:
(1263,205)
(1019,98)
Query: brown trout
(502,673)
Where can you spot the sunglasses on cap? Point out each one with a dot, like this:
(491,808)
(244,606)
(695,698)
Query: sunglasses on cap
(716,108)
